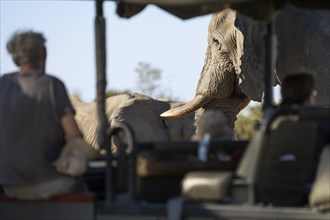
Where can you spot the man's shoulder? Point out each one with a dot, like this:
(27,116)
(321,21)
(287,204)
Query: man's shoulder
(10,74)
(54,78)
(6,76)
(55,81)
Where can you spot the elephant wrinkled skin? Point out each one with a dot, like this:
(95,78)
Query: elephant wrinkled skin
(140,112)
(232,74)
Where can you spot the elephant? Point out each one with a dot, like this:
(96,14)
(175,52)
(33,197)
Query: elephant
(140,112)
(232,74)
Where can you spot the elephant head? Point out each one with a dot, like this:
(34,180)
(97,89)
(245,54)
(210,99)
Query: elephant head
(226,82)
(142,114)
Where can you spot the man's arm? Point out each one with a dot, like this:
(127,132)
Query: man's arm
(70,126)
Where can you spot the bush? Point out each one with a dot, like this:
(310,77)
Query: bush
(247,121)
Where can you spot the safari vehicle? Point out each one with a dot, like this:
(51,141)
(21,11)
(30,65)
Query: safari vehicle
(150,180)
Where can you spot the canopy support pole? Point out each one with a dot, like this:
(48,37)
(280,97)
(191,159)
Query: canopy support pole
(102,140)
(270,58)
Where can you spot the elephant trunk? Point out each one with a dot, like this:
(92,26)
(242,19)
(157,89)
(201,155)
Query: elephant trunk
(187,108)
(216,82)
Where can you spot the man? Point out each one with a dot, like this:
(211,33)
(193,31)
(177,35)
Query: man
(298,89)
(36,120)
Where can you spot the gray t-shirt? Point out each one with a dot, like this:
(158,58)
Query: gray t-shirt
(31,137)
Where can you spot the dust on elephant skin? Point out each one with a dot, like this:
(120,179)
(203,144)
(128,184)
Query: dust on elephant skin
(140,112)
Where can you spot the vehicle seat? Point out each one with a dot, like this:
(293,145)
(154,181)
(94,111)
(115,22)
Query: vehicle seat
(287,158)
(279,159)
(206,185)
(65,206)
(319,198)
(286,162)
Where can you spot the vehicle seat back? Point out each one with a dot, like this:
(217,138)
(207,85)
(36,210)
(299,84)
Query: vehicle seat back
(279,157)
(286,161)
(319,198)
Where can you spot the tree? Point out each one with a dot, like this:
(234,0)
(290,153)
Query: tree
(247,121)
(148,77)
(112,92)
(148,82)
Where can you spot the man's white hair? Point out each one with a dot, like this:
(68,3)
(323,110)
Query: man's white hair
(26,46)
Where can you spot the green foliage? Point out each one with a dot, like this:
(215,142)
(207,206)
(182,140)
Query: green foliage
(76,94)
(147,83)
(112,92)
(247,121)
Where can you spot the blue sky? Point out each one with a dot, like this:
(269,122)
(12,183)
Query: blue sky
(175,46)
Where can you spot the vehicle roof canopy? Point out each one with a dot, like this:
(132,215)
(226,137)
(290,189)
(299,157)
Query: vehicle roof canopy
(185,9)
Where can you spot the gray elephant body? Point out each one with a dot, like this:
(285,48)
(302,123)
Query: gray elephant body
(140,112)
(305,45)
(234,63)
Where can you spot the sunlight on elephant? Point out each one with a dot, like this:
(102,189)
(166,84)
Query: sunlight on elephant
(140,112)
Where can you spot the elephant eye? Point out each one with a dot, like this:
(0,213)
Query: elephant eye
(216,42)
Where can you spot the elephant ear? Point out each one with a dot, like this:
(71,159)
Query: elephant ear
(236,57)
(307,52)
(250,38)
(225,21)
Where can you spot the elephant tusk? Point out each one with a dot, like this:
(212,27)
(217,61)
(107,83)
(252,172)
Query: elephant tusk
(187,108)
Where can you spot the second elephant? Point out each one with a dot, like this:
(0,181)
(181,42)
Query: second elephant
(141,113)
